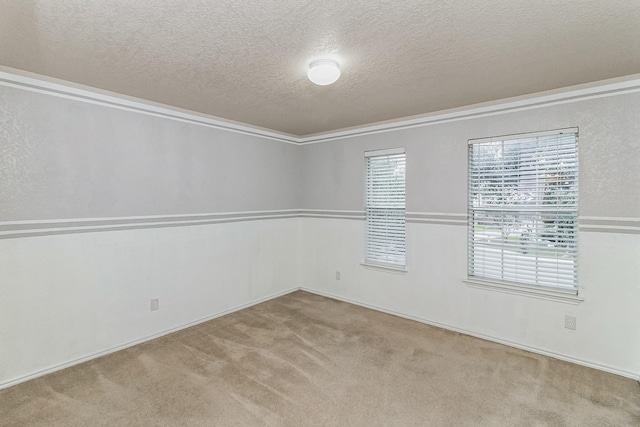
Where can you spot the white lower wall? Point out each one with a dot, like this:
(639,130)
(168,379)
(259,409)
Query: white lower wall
(607,334)
(69,297)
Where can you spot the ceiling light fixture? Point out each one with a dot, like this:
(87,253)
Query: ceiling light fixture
(323,71)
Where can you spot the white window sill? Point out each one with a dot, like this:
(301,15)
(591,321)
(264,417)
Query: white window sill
(524,290)
(387,268)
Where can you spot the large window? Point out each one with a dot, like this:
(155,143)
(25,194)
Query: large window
(385,208)
(523,210)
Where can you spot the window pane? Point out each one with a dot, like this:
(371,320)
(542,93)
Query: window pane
(385,209)
(523,210)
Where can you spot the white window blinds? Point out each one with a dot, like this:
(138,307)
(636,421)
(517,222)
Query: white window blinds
(523,209)
(385,207)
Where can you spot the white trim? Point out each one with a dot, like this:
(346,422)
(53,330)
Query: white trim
(152,217)
(387,268)
(436,218)
(626,225)
(32,82)
(332,214)
(568,297)
(15,78)
(385,152)
(569,94)
(37,231)
(326,213)
(117,223)
(32,228)
(553,132)
(537,350)
(58,367)
(321,216)
(113,349)
(436,221)
(608,218)
(585,227)
(461,215)
(332,211)
(608,229)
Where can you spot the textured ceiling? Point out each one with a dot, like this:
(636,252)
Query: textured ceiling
(246,60)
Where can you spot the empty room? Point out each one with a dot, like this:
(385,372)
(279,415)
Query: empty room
(319,213)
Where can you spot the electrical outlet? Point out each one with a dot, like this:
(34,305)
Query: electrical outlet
(570,322)
(337,275)
(155,304)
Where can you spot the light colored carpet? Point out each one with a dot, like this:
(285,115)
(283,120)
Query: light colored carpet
(305,360)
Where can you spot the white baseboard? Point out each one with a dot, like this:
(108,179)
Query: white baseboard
(601,367)
(110,350)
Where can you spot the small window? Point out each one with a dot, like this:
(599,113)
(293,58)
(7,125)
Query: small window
(523,210)
(385,208)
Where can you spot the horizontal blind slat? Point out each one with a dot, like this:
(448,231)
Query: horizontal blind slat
(385,209)
(523,199)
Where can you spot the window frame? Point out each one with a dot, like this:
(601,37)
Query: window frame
(369,260)
(530,289)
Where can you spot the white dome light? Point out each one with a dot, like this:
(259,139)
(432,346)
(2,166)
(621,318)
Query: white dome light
(323,71)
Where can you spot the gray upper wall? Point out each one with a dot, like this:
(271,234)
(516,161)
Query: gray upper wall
(62,158)
(609,158)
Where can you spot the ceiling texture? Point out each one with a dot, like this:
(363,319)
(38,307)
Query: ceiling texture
(246,60)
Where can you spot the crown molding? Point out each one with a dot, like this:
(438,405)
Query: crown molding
(32,82)
(16,78)
(569,94)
